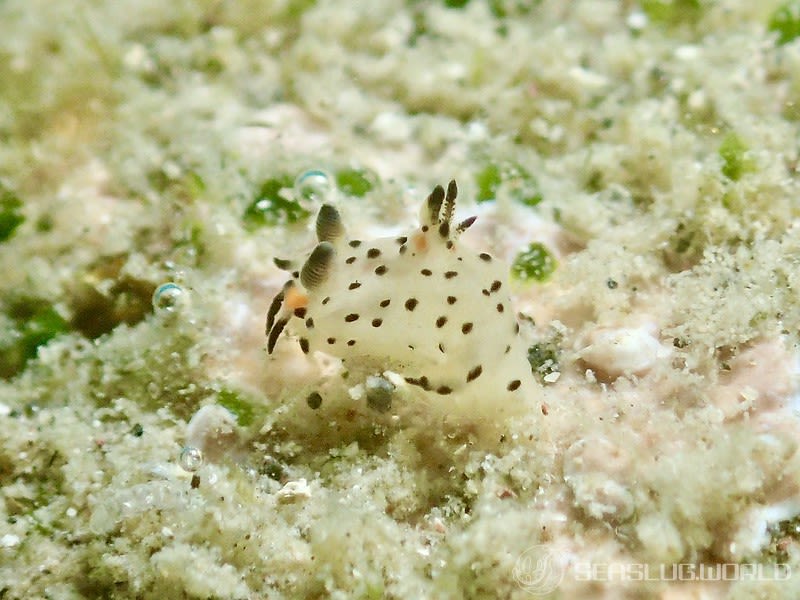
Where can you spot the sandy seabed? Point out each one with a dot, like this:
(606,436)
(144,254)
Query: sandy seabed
(633,168)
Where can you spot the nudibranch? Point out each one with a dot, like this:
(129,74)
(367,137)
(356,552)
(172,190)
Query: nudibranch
(420,304)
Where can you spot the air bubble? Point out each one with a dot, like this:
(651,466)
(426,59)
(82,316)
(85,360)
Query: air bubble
(314,185)
(168,297)
(191,459)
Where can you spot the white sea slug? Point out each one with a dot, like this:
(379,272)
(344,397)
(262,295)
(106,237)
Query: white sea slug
(420,304)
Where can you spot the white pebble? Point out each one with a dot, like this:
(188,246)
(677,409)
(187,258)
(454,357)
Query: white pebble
(391,127)
(687,52)
(137,59)
(294,490)
(552,377)
(356,392)
(626,350)
(587,79)
(9,540)
(637,20)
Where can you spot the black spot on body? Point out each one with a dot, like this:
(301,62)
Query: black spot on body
(485,292)
(381,270)
(411,304)
(385,303)
(450,274)
(508,349)
(350,260)
(401,240)
(309,323)
(444,229)
(441,349)
(449,244)
(325,300)
(500,307)
(353,286)
(373,253)
(314,400)
(444,390)
(441,321)
(451,299)
(466,328)
(331,340)
(351,342)
(300,312)
(377,322)
(421,382)
(304,345)
(426,272)
(403,249)
(516,327)
(474,373)
(495,285)
(514,385)
(354,243)
(424,228)
(485,257)
(351,317)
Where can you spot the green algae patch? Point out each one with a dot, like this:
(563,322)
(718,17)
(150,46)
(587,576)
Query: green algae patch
(785,21)
(535,263)
(33,323)
(187,187)
(11,215)
(237,405)
(523,187)
(488,180)
(733,152)
(355,182)
(673,12)
(274,205)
